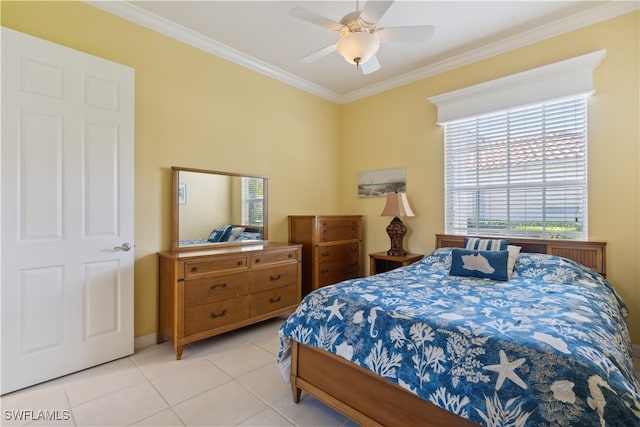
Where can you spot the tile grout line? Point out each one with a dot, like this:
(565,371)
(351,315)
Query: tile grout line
(66,395)
(169,406)
(273,408)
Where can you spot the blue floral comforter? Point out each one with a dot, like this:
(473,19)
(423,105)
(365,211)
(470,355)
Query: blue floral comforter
(549,347)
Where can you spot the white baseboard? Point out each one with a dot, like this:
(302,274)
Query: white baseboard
(144,341)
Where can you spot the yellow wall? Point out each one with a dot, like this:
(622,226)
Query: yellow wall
(194,109)
(397,128)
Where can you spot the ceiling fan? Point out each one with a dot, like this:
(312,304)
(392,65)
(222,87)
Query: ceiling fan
(359,37)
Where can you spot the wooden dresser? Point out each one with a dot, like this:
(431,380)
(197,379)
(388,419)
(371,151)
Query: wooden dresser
(210,292)
(332,248)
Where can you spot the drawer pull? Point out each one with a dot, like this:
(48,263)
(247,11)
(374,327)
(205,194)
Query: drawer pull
(222,285)
(278,277)
(324,270)
(194,269)
(214,314)
(257,260)
(239,262)
(325,254)
(275,300)
(290,255)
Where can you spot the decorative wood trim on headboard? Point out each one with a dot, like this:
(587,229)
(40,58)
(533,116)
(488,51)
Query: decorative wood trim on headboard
(591,254)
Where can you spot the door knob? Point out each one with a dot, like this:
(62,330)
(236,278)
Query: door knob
(124,247)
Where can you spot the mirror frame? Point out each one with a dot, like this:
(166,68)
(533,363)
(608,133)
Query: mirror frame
(175,221)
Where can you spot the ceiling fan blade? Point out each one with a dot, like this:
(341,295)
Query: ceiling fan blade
(373,11)
(314,18)
(415,34)
(319,54)
(371,66)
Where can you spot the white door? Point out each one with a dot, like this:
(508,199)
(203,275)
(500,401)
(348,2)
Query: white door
(67,204)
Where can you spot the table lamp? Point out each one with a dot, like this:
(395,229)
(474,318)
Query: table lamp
(397,205)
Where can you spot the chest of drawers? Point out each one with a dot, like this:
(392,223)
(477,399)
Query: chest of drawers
(332,248)
(202,294)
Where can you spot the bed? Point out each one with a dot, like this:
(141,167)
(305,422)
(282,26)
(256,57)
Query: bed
(226,233)
(417,346)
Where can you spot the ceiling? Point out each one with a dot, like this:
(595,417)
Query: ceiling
(263,36)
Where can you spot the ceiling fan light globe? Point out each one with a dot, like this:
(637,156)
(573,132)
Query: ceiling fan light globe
(359,44)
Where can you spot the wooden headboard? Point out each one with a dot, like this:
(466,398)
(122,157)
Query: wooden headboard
(250,228)
(591,254)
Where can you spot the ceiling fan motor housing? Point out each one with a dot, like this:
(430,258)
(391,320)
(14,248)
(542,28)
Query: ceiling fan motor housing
(352,21)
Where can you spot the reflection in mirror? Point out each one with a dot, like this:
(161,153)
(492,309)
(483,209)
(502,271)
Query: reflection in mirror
(217,209)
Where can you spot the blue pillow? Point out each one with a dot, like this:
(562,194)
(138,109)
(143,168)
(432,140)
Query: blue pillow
(483,264)
(221,235)
(213,235)
(486,244)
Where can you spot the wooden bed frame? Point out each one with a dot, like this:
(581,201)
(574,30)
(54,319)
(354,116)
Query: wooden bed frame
(370,400)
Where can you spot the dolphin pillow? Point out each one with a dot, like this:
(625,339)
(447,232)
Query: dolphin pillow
(483,264)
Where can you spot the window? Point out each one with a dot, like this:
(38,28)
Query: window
(520,172)
(516,152)
(252,201)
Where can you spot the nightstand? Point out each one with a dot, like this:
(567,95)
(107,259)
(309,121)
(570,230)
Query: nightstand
(381,262)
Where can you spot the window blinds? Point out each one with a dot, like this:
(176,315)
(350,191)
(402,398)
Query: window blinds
(521,172)
(252,201)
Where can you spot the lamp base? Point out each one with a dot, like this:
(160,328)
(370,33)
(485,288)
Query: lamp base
(396,252)
(396,231)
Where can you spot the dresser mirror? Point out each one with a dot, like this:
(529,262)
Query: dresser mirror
(213,209)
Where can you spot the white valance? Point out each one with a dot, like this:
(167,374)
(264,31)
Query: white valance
(565,78)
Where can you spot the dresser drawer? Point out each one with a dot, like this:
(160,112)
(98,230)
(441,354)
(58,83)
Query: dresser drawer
(336,229)
(332,253)
(333,272)
(274,299)
(336,277)
(277,276)
(271,257)
(201,267)
(208,316)
(215,288)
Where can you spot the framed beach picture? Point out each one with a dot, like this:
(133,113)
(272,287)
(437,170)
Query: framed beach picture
(380,182)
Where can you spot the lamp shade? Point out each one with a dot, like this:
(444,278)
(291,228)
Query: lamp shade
(397,205)
(360,44)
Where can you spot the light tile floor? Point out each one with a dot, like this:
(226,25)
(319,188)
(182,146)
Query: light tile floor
(229,380)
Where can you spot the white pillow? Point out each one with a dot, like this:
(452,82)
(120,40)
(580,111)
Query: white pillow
(235,233)
(514,252)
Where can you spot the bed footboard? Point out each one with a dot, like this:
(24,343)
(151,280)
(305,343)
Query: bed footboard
(364,397)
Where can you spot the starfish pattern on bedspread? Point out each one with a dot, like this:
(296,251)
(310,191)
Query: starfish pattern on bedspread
(506,370)
(549,347)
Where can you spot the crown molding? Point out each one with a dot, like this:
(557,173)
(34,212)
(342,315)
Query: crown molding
(132,13)
(592,16)
(161,25)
